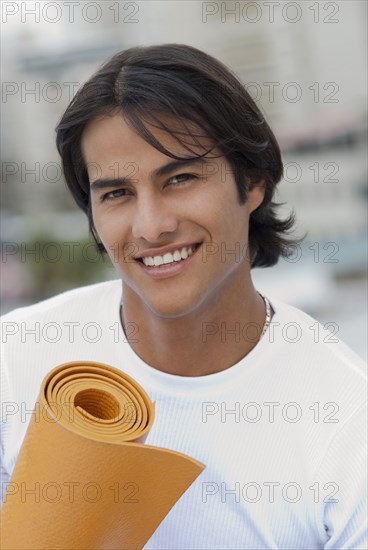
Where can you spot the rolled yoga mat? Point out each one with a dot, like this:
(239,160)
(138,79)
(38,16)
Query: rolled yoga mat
(83,478)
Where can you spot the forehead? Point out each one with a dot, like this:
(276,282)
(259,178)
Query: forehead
(111,138)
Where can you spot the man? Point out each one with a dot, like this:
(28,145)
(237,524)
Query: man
(176,168)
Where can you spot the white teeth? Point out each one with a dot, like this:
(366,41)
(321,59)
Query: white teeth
(169,257)
(177,256)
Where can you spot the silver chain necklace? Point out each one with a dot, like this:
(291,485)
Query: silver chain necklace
(268,314)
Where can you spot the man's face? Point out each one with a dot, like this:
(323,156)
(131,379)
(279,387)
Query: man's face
(152,213)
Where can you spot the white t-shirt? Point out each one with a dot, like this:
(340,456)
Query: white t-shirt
(281,432)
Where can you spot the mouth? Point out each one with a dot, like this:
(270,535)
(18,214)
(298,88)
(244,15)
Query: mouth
(169,258)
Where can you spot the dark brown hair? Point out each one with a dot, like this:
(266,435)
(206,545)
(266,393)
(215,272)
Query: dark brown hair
(143,83)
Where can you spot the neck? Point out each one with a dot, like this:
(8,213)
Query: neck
(207,341)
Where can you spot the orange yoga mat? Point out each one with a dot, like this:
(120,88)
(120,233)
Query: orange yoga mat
(84,478)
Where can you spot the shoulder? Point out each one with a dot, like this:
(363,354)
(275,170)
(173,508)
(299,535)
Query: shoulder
(35,338)
(318,341)
(81,299)
(311,359)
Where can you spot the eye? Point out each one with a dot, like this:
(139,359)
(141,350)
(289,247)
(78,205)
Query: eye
(179,179)
(113,195)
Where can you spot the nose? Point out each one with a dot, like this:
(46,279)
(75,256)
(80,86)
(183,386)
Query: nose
(152,218)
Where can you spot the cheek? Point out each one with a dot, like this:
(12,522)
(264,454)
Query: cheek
(230,215)
(109,232)
(106,220)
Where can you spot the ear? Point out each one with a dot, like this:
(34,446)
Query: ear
(256,190)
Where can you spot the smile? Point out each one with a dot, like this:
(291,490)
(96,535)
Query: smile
(170,257)
(170,263)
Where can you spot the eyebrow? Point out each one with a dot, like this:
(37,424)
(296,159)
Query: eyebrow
(102,183)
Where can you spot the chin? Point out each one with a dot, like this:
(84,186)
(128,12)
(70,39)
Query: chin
(166,304)
(171,308)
